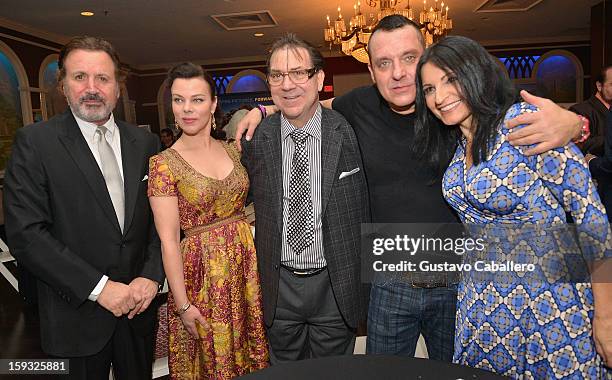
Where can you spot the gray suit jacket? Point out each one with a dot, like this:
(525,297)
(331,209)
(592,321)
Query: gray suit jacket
(344,207)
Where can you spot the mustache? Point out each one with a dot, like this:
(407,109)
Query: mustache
(92,97)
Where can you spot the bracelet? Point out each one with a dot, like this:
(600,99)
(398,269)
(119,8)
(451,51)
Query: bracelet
(183,308)
(262,109)
(585,131)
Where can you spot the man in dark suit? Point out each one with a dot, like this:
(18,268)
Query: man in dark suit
(310,198)
(601,168)
(78,218)
(595,109)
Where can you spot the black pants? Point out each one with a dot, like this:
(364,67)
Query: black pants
(131,356)
(308,323)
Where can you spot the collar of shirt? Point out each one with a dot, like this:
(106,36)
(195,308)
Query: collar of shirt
(312,126)
(89,129)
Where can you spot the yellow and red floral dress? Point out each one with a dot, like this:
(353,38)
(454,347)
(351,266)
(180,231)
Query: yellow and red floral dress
(220,269)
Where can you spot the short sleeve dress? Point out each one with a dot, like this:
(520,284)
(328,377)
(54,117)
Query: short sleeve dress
(220,270)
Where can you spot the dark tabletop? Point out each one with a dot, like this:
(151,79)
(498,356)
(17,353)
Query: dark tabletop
(370,367)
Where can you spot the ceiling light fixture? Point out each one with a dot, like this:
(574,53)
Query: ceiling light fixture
(434,21)
(87,13)
(258,34)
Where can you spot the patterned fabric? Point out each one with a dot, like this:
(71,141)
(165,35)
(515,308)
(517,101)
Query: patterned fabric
(300,228)
(525,328)
(312,256)
(161,335)
(220,269)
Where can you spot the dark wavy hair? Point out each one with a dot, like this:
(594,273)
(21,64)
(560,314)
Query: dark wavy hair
(88,43)
(188,70)
(601,76)
(486,89)
(293,42)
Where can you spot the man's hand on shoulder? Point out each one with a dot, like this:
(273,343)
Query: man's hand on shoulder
(550,127)
(117,298)
(144,290)
(247,124)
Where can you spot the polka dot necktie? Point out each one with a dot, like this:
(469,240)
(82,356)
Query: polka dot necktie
(300,226)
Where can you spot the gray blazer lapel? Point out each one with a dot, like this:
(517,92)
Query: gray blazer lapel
(76,146)
(272,149)
(331,146)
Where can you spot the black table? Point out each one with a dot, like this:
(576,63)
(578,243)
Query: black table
(370,367)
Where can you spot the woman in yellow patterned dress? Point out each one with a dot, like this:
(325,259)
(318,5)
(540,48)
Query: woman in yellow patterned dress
(198,186)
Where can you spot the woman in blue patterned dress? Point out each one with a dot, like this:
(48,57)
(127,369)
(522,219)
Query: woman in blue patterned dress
(538,325)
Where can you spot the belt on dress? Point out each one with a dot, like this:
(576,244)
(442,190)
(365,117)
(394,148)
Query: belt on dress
(304,272)
(217,223)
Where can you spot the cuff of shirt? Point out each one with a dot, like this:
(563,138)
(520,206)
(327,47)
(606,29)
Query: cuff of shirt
(93,296)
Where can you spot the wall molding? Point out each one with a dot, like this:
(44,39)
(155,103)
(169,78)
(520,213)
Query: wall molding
(231,63)
(28,42)
(35,32)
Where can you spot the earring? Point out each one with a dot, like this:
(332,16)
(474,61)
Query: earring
(214,125)
(176,124)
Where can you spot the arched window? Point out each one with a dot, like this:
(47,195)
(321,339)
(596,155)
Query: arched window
(247,81)
(15,102)
(52,100)
(558,76)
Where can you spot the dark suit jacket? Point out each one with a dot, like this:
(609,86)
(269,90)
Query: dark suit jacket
(601,169)
(344,207)
(595,111)
(61,225)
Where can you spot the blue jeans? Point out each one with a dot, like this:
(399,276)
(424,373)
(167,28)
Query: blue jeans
(398,313)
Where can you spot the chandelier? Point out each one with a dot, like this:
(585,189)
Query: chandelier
(353,40)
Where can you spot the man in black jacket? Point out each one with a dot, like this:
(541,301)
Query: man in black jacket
(78,218)
(595,109)
(601,168)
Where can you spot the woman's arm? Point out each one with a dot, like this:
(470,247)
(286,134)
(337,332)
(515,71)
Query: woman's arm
(166,213)
(572,185)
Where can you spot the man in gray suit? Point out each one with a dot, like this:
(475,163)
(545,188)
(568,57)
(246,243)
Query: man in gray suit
(310,199)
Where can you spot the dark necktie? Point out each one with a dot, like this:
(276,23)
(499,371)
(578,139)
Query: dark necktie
(300,226)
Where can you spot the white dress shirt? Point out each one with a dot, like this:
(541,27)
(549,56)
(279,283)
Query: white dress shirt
(112,136)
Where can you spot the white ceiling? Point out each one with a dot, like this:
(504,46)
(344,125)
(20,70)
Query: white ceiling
(151,33)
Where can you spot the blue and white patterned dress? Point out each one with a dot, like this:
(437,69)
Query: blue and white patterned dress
(511,326)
